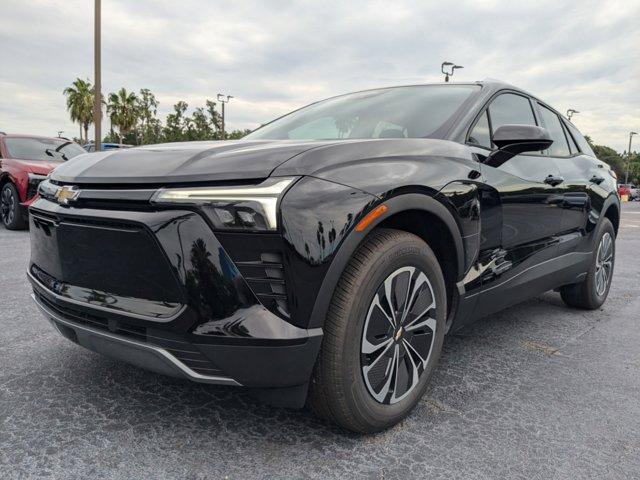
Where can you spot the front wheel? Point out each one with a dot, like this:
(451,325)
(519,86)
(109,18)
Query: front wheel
(10,208)
(383,334)
(592,292)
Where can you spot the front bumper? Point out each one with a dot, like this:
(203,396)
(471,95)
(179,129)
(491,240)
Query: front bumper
(160,290)
(144,355)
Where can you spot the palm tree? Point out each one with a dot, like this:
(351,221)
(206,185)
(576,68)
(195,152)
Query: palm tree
(80,105)
(123,111)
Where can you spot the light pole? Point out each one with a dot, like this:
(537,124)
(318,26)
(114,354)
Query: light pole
(60,132)
(570,113)
(223,99)
(97,97)
(626,177)
(448,74)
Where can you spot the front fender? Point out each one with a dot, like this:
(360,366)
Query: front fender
(318,219)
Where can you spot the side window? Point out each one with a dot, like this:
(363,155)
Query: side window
(580,140)
(510,108)
(481,135)
(572,143)
(551,121)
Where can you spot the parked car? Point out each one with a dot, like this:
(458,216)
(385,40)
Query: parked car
(630,190)
(91,147)
(26,160)
(323,258)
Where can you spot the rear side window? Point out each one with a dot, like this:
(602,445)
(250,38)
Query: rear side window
(508,109)
(580,140)
(551,121)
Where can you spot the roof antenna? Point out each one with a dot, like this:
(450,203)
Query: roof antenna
(448,74)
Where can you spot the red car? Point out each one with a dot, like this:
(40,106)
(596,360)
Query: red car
(624,190)
(26,160)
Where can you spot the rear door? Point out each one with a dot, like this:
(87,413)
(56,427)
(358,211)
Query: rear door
(574,169)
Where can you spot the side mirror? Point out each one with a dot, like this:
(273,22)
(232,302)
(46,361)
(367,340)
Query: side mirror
(513,140)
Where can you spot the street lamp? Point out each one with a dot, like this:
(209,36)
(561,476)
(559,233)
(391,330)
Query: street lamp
(223,99)
(626,177)
(449,74)
(570,113)
(60,132)
(97,96)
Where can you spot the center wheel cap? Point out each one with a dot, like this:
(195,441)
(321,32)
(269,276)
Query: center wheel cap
(398,334)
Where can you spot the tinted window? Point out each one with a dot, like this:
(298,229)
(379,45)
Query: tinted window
(509,109)
(580,140)
(551,121)
(481,135)
(572,143)
(41,148)
(414,112)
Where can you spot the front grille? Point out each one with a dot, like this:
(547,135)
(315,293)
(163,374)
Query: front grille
(266,279)
(186,352)
(105,255)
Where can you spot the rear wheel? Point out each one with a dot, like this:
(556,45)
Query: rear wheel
(383,334)
(10,208)
(592,292)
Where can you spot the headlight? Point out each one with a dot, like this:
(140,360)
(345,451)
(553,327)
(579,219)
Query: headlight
(250,207)
(34,177)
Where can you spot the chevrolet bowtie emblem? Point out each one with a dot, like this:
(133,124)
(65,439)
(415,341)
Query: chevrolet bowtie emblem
(67,194)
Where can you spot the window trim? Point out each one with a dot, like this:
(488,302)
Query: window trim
(485,108)
(580,152)
(560,119)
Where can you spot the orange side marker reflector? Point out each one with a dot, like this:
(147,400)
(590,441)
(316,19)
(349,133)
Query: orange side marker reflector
(370,217)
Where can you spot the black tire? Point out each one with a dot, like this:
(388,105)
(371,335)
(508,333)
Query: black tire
(588,294)
(338,390)
(10,213)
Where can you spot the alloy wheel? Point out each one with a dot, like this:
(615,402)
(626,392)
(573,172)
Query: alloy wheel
(398,335)
(7,206)
(604,263)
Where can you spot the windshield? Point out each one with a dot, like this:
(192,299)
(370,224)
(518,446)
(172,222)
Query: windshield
(51,149)
(399,112)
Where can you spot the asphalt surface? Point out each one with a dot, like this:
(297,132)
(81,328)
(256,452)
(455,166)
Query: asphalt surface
(536,391)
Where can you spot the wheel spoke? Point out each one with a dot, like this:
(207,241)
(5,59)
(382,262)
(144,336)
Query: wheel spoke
(368,348)
(376,303)
(388,293)
(420,281)
(427,322)
(384,391)
(411,348)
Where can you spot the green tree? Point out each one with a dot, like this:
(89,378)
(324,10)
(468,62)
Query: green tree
(150,128)
(238,134)
(80,105)
(174,129)
(609,156)
(123,111)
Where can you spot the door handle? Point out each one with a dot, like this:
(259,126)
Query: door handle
(597,179)
(553,180)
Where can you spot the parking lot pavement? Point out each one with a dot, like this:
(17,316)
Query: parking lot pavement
(537,391)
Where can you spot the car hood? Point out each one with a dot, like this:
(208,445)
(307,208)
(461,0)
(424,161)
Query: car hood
(244,160)
(40,167)
(182,162)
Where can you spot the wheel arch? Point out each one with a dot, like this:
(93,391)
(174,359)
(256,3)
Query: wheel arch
(612,212)
(438,228)
(5,178)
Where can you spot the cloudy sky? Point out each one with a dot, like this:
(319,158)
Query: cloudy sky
(275,55)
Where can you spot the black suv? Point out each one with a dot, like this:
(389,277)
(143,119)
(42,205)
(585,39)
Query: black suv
(323,258)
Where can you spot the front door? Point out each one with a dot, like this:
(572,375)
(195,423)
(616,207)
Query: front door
(524,197)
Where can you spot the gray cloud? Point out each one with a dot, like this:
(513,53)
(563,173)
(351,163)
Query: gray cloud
(278,55)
